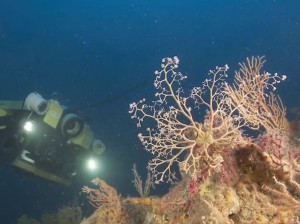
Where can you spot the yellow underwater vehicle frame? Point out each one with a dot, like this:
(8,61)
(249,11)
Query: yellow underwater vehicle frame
(45,138)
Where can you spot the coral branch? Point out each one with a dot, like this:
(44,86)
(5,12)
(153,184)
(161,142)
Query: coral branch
(252,95)
(104,197)
(143,190)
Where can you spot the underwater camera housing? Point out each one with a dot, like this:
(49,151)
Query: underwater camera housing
(45,138)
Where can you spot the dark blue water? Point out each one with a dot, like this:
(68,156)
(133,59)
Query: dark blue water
(101,55)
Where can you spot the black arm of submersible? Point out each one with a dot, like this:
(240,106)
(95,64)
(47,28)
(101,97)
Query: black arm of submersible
(109,100)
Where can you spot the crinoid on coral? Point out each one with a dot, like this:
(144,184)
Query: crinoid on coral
(212,152)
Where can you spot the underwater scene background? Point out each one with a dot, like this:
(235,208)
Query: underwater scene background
(100,56)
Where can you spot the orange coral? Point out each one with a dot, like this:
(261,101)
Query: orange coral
(107,202)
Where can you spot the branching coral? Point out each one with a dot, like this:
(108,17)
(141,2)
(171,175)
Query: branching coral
(107,202)
(104,197)
(252,95)
(142,189)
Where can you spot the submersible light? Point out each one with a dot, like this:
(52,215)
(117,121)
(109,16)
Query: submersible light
(28,126)
(92,164)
